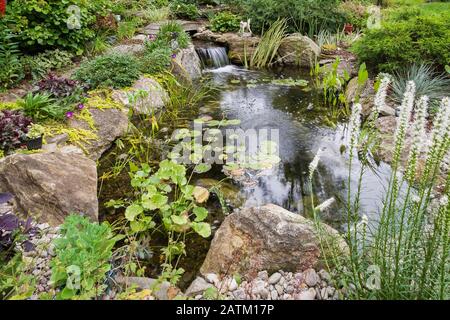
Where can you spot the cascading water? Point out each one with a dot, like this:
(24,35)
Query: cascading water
(213,57)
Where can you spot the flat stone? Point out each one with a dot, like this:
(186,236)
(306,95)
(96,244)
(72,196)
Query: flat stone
(198,286)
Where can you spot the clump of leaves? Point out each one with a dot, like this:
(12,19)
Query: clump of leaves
(82,258)
(184,10)
(39,65)
(225,22)
(41,106)
(11,71)
(173,34)
(13,129)
(58,86)
(156,60)
(112,70)
(14,230)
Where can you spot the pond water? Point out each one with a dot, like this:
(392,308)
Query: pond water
(304,127)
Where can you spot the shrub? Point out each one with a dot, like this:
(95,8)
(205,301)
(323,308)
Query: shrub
(43,24)
(173,34)
(428,82)
(39,65)
(184,10)
(303,16)
(13,129)
(113,70)
(82,258)
(11,71)
(58,87)
(405,38)
(156,60)
(225,22)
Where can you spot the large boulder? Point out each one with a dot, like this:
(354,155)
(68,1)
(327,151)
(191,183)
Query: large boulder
(50,186)
(153,98)
(266,238)
(110,124)
(187,65)
(298,50)
(135,49)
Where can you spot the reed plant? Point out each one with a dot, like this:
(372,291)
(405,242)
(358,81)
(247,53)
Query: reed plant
(267,48)
(403,254)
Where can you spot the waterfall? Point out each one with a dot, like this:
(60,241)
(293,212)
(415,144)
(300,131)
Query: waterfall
(213,57)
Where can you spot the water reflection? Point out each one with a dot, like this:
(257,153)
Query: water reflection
(297,114)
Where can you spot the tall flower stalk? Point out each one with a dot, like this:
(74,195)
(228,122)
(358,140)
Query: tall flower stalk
(410,242)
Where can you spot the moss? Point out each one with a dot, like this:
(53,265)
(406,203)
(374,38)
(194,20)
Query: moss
(86,116)
(102,100)
(9,106)
(78,137)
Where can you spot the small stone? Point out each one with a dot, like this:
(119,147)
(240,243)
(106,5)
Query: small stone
(274,295)
(212,278)
(290,289)
(279,289)
(324,293)
(311,277)
(287,296)
(263,275)
(324,275)
(275,278)
(309,294)
(239,294)
(232,285)
(282,281)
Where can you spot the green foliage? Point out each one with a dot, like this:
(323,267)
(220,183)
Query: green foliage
(39,65)
(112,70)
(156,60)
(184,10)
(15,283)
(267,48)
(82,258)
(11,71)
(165,201)
(428,82)
(41,106)
(44,24)
(225,22)
(407,36)
(173,34)
(303,16)
(127,29)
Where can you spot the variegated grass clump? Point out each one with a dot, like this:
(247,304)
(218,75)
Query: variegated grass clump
(404,254)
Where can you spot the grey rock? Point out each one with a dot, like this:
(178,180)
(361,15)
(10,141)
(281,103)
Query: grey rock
(274,278)
(110,124)
(274,295)
(309,294)
(212,278)
(187,65)
(324,275)
(265,238)
(311,277)
(239,294)
(153,99)
(51,186)
(299,50)
(135,49)
(198,286)
(263,275)
(159,290)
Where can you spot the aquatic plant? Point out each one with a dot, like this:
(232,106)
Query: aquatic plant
(403,254)
(267,48)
